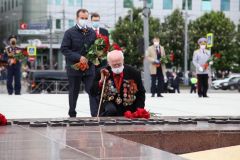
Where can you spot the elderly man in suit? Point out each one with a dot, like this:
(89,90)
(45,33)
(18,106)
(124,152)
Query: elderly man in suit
(76,42)
(123,90)
(200,61)
(157,69)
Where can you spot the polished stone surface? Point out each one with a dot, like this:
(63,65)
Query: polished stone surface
(83,143)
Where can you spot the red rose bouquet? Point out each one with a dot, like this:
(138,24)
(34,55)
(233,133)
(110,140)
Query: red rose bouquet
(21,55)
(3,120)
(98,50)
(214,58)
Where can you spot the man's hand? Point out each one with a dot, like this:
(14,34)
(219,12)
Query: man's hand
(211,62)
(104,72)
(200,69)
(83,59)
(156,62)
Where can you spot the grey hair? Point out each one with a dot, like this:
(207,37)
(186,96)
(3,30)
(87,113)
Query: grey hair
(120,52)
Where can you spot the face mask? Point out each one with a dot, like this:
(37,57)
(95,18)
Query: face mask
(95,24)
(202,46)
(118,70)
(13,42)
(82,22)
(156,43)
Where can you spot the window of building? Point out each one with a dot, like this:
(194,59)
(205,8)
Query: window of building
(58,23)
(70,2)
(16,3)
(225,5)
(206,5)
(5,6)
(70,23)
(58,2)
(9,6)
(189,4)
(167,4)
(79,3)
(12,4)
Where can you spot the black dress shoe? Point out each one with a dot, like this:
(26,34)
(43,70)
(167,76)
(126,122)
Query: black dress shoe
(199,95)
(159,95)
(206,96)
(153,95)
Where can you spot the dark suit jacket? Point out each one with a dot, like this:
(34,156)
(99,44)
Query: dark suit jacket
(129,73)
(74,45)
(104,32)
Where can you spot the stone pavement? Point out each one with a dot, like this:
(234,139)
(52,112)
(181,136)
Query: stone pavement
(56,105)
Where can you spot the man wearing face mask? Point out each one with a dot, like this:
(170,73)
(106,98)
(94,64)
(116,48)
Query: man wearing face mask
(14,66)
(200,58)
(76,42)
(95,18)
(157,70)
(123,90)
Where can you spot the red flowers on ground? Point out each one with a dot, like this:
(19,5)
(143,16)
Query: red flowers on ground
(139,113)
(3,120)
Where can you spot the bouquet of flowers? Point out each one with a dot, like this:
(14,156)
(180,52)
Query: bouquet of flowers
(97,51)
(139,113)
(19,56)
(214,58)
(165,59)
(3,120)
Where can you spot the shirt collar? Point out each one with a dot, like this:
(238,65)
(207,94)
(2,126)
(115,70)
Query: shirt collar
(121,74)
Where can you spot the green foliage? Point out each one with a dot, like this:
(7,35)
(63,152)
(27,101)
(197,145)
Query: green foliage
(223,30)
(172,36)
(129,36)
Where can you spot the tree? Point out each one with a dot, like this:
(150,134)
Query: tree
(236,50)
(129,35)
(223,30)
(172,36)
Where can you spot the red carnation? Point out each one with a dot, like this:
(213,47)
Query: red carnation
(217,55)
(25,53)
(128,114)
(3,120)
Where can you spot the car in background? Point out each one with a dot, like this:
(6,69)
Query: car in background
(232,84)
(217,83)
(49,81)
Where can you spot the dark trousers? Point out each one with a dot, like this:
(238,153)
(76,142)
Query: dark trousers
(176,88)
(74,87)
(110,109)
(202,84)
(14,72)
(157,83)
(193,88)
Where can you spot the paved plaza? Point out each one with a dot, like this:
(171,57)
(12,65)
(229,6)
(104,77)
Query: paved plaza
(183,104)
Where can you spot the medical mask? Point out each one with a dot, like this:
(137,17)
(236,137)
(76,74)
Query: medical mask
(13,43)
(82,23)
(156,43)
(118,70)
(202,46)
(95,24)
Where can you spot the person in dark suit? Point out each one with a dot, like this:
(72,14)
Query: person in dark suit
(76,42)
(123,90)
(95,19)
(14,66)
